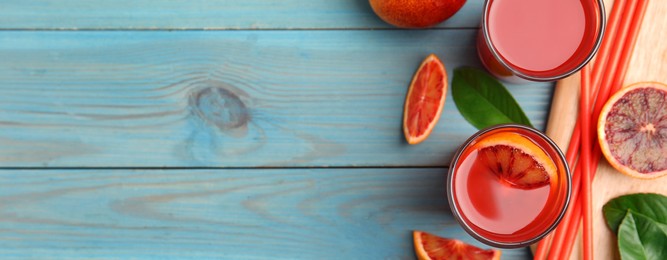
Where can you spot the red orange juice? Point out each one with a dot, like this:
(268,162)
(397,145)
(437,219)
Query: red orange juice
(539,40)
(508,185)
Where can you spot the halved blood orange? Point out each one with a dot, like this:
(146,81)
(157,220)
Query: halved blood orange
(432,247)
(516,160)
(632,130)
(425,100)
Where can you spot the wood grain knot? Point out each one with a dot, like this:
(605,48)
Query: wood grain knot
(220,107)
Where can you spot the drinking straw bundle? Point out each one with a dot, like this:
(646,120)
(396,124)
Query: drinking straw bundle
(598,81)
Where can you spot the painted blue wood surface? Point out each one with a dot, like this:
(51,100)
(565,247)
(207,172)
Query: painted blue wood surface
(205,14)
(237,88)
(229,214)
(226,98)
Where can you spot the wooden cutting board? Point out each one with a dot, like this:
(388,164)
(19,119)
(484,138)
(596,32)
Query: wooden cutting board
(648,63)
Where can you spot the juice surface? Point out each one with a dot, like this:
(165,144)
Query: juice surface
(508,210)
(494,206)
(537,35)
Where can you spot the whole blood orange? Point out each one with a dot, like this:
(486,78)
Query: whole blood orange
(516,160)
(415,13)
(632,130)
(431,247)
(425,100)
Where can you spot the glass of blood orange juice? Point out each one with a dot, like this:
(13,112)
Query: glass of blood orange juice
(508,185)
(539,40)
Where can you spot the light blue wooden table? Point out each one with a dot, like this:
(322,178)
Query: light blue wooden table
(226,129)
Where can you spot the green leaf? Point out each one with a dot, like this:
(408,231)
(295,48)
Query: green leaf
(650,205)
(640,237)
(483,101)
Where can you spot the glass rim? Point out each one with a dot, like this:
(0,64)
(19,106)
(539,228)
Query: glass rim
(496,55)
(455,209)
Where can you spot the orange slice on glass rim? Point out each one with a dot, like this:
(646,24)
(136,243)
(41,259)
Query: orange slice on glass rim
(431,247)
(516,160)
(632,130)
(425,100)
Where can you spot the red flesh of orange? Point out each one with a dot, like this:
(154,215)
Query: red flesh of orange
(425,100)
(632,130)
(516,160)
(431,247)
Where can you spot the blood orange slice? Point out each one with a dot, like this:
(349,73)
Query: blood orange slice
(431,247)
(632,130)
(425,100)
(516,160)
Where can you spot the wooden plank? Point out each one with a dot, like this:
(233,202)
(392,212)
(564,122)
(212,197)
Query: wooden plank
(231,214)
(226,98)
(205,14)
